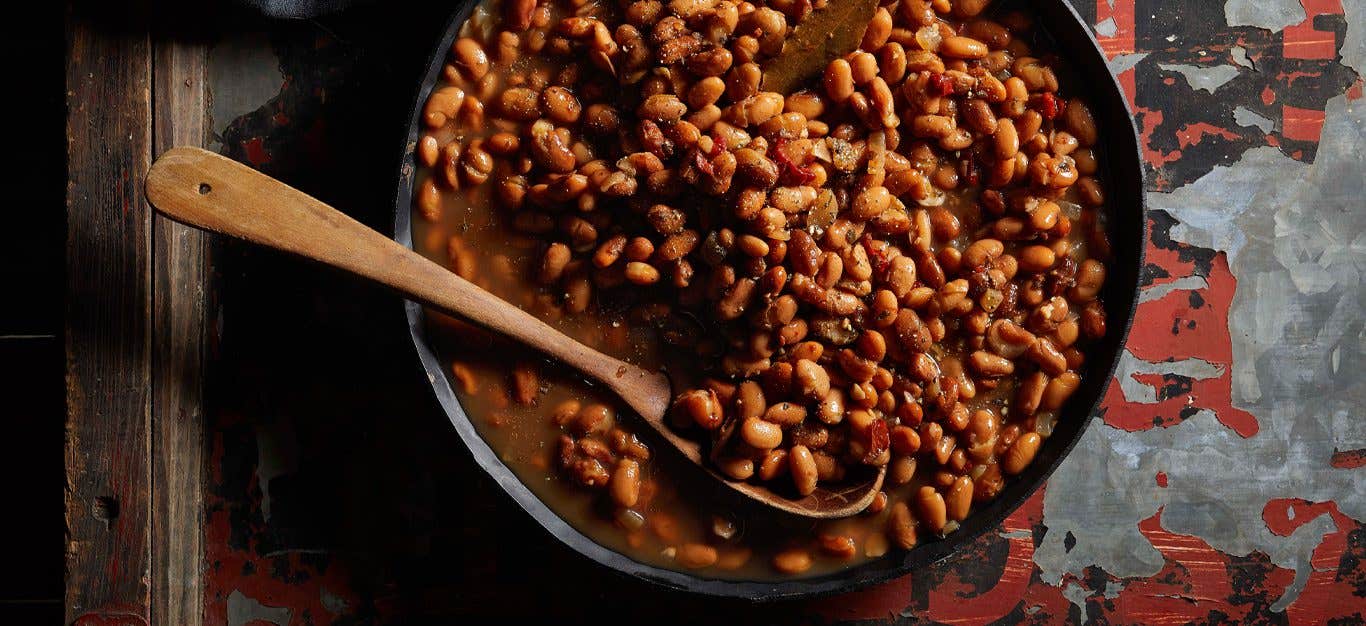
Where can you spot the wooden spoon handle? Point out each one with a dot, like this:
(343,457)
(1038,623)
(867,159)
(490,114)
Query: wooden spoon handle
(209,191)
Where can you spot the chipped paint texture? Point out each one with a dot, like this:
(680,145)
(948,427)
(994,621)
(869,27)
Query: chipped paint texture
(1293,234)
(1354,42)
(243,611)
(1268,14)
(1107,27)
(1209,78)
(1125,62)
(1247,117)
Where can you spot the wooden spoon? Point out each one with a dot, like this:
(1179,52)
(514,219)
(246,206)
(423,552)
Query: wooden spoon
(212,192)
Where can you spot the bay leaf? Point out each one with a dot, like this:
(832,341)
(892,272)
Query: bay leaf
(822,37)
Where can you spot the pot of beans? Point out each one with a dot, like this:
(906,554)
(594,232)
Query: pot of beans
(901,235)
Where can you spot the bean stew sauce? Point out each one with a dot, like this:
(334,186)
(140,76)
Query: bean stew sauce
(897,265)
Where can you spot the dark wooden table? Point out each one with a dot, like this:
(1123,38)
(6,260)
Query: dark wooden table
(250,441)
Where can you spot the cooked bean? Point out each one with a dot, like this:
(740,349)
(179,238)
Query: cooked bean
(990,365)
(773,465)
(736,468)
(838,546)
(802,466)
(696,555)
(878,30)
(625,483)
(1078,119)
(1030,393)
(901,526)
(862,67)
(560,105)
(958,500)
(593,418)
(962,48)
(662,108)
(969,8)
(1058,390)
(794,561)
(1006,140)
(839,80)
(641,273)
(785,413)
(1021,453)
(930,509)
(1090,278)
(812,380)
(761,434)
(1036,258)
(442,106)
(554,262)
(700,407)
(470,58)
(902,470)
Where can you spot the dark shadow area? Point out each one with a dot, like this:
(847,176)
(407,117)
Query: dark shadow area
(31,361)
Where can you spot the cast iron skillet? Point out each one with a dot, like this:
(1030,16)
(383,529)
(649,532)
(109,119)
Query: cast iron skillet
(1119,141)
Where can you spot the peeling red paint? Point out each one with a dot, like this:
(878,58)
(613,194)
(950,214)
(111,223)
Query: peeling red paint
(1162,479)
(1179,327)
(1148,121)
(111,616)
(1284,515)
(1325,594)
(1301,124)
(880,602)
(1302,41)
(1289,78)
(1122,12)
(273,579)
(951,608)
(1348,459)
(1194,582)
(256,152)
(1193,134)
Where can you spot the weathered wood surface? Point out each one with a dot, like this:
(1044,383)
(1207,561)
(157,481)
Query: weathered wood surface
(108,316)
(182,258)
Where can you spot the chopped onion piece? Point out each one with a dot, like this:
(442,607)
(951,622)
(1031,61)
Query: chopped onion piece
(929,38)
(935,200)
(1071,209)
(1044,422)
(821,151)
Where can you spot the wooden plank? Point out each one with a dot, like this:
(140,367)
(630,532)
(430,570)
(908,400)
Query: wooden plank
(108,308)
(178,347)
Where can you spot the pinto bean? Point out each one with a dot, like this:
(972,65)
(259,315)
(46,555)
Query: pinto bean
(802,466)
(901,526)
(930,509)
(839,80)
(1021,453)
(625,483)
